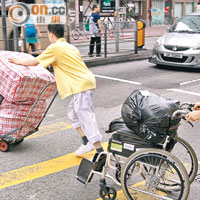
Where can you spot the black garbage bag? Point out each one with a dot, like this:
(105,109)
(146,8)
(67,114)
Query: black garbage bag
(149,115)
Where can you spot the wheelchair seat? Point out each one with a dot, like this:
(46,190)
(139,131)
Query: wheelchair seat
(125,141)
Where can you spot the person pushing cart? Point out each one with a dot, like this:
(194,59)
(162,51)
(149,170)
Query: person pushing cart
(74,79)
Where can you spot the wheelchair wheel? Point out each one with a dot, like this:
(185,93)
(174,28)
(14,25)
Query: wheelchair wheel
(154,174)
(187,156)
(109,194)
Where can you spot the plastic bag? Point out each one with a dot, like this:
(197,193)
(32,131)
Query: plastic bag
(149,115)
(87,25)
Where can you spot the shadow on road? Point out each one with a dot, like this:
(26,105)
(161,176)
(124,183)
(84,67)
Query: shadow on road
(174,68)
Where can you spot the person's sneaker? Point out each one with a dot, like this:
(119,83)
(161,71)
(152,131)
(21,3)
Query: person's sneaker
(84,149)
(90,55)
(98,55)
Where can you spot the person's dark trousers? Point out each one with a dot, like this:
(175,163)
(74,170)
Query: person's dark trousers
(96,40)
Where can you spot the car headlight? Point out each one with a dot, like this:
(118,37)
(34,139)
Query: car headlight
(158,43)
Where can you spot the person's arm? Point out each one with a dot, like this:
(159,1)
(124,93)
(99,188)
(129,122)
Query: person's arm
(31,61)
(194,116)
(100,26)
(45,59)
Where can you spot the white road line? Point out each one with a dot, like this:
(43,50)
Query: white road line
(117,79)
(185,92)
(188,82)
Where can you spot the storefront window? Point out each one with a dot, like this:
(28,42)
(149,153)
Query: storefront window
(189,8)
(157,12)
(178,10)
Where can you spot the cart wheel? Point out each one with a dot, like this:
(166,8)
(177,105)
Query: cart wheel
(4,146)
(19,141)
(109,194)
(118,172)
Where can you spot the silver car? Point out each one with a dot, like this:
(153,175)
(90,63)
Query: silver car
(180,45)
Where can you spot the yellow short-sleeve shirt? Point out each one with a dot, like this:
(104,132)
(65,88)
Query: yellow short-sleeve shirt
(71,73)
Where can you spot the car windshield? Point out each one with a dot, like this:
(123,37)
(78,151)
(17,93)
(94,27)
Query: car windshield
(188,24)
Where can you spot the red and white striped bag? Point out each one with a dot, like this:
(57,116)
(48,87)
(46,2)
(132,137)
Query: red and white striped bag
(12,115)
(20,83)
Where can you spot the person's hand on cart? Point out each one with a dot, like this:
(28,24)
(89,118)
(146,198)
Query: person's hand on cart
(30,61)
(14,60)
(195,114)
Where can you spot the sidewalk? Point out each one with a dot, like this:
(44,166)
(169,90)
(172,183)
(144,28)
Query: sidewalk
(153,31)
(157,30)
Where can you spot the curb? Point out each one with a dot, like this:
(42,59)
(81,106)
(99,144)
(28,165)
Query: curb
(142,55)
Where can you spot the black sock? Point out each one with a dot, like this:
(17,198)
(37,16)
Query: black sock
(100,150)
(85,140)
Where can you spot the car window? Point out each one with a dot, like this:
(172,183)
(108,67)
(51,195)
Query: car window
(187,24)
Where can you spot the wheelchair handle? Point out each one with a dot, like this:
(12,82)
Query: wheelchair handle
(189,105)
(178,113)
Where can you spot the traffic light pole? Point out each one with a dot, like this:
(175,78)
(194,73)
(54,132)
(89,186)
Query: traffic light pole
(117,25)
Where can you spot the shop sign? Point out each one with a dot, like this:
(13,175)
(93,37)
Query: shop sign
(107,7)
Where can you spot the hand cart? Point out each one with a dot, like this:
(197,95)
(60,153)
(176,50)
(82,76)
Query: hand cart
(6,140)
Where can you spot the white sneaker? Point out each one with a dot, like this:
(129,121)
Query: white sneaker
(84,149)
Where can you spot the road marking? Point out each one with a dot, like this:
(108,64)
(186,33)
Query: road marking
(138,195)
(45,168)
(184,91)
(188,82)
(117,79)
(48,129)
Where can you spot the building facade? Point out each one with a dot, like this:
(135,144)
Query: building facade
(153,12)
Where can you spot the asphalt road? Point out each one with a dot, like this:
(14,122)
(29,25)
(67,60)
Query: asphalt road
(44,167)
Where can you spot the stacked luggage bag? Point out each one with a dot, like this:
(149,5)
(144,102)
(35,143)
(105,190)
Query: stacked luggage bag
(20,86)
(145,122)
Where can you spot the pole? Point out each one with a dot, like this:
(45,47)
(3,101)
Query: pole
(24,40)
(136,37)
(76,12)
(3,12)
(15,38)
(117,25)
(15,34)
(105,40)
(67,22)
(81,13)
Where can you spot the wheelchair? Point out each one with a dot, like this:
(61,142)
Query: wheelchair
(141,167)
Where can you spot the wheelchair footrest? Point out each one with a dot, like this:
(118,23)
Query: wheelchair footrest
(84,170)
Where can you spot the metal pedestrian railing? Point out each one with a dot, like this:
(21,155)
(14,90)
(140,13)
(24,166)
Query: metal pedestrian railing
(115,39)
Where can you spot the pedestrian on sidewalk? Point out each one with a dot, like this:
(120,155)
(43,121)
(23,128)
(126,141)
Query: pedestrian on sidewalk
(74,79)
(32,33)
(95,30)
